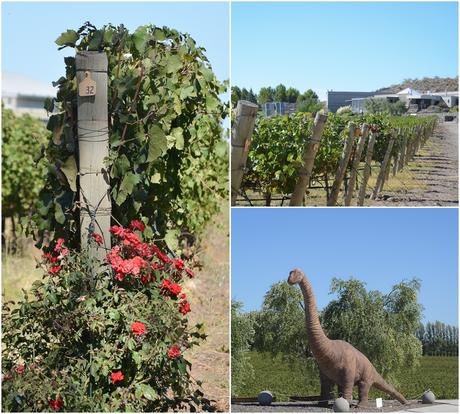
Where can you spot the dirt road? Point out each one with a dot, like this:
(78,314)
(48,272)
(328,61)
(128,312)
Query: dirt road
(431,179)
(209,299)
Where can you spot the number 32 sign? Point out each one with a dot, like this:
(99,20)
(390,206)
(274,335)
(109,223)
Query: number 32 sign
(87,86)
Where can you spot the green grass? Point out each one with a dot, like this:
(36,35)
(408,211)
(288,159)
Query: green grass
(440,374)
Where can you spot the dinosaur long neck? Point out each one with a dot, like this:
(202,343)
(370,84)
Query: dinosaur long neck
(319,342)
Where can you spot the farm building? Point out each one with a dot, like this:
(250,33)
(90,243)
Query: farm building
(278,108)
(24,95)
(414,100)
(336,99)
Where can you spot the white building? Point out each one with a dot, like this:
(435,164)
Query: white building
(24,95)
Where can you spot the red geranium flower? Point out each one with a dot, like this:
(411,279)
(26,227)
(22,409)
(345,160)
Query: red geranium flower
(138,328)
(117,376)
(64,252)
(56,404)
(20,369)
(179,263)
(118,231)
(131,239)
(174,352)
(97,238)
(54,269)
(173,288)
(184,308)
(137,225)
(183,296)
(59,244)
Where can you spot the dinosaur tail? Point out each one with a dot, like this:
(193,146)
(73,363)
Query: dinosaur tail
(382,385)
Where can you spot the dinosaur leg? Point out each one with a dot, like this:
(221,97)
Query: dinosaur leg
(363,390)
(326,390)
(347,385)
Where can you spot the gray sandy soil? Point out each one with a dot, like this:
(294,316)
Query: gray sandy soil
(431,178)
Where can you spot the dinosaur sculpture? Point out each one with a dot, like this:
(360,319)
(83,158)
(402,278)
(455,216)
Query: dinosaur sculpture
(339,362)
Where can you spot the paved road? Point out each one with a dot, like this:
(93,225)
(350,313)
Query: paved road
(435,169)
(444,406)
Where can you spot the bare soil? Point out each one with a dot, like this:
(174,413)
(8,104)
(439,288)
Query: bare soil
(431,179)
(209,300)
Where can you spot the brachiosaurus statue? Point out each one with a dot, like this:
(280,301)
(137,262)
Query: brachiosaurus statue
(339,362)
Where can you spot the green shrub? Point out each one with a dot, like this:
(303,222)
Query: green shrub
(102,337)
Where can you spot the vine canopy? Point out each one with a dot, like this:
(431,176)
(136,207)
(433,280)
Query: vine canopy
(167,156)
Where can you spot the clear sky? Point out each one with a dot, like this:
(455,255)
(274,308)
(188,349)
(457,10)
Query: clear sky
(356,46)
(29,30)
(380,246)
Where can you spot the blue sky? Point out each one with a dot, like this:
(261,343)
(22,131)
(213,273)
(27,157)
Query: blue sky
(342,46)
(30,29)
(380,246)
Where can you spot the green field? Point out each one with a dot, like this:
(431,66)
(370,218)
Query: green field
(440,374)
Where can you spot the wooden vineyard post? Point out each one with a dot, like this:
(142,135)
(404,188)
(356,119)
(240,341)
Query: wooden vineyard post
(396,156)
(245,119)
(355,165)
(332,201)
(383,168)
(410,140)
(308,160)
(367,168)
(93,147)
(402,152)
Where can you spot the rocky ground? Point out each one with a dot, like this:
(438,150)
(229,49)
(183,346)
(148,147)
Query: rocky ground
(431,179)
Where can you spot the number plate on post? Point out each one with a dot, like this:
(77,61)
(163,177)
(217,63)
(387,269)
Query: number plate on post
(87,86)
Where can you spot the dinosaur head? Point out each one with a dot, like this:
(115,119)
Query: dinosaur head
(295,276)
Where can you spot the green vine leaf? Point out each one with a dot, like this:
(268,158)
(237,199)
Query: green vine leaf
(68,38)
(157,142)
(69,168)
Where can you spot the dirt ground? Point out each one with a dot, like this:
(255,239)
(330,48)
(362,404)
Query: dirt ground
(209,300)
(431,179)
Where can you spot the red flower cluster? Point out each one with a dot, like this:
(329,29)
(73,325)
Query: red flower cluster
(184,307)
(138,328)
(174,352)
(133,258)
(97,238)
(56,404)
(54,257)
(116,377)
(172,288)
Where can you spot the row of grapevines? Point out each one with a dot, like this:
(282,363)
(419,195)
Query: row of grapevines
(278,144)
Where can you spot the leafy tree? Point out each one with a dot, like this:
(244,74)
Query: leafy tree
(242,337)
(292,94)
(280,93)
(236,95)
(438,338)
(22,175)
(381,326)
(167,156)
(265,95)
(308,102)
(280,325)
(252,97)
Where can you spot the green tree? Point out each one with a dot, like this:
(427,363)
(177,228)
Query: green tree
(236,95)
(292,94)
(265,95)
(280,93)
(252,97)
(242,338)
(308,102)
(381,326)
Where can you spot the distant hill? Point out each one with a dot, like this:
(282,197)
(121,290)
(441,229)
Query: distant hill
(435,84)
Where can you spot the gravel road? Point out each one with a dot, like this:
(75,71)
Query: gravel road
(435,169)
